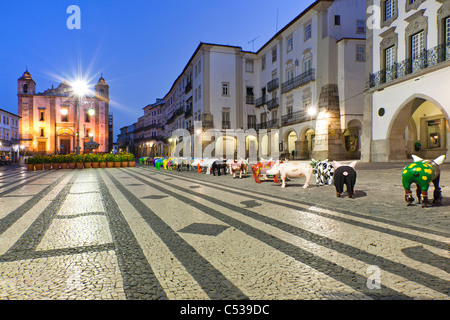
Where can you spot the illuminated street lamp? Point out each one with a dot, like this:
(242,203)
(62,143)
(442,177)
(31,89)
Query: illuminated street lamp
(80,88)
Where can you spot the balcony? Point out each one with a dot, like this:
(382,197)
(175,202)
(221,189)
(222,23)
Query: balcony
(399,70)
(188,87)
(226,124)
(295,117)
(188,112)
(261,101)
(298,81)
(273,85)
(272,104)
(267,125)
(250,99)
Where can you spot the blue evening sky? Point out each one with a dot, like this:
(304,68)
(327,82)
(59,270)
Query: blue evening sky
(140,46)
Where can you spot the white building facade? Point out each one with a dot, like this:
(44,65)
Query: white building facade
(9,134)
(408,67)
(301,94)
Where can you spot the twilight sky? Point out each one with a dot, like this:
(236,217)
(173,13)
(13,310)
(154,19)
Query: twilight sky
(140,46)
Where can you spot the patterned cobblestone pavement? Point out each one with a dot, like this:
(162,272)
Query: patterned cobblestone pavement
(139,233)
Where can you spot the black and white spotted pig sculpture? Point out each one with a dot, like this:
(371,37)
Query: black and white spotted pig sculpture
(344,175)
(324,172)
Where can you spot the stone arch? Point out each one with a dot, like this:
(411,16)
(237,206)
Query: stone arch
(352,139)
(306,143)
(289,140)
(400,132)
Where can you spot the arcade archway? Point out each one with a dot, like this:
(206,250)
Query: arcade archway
(420,127)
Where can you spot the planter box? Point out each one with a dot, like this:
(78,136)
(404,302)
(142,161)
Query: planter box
(39,166)
(117,164)
(102,164)
(30,167)
(55,166)
(72,165)
(79,165)
(110,164)
(95,165)
(131,163)
(64,165)
(47,166)
(87,165)
(124,163)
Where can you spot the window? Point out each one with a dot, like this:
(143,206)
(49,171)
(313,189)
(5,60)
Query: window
(307,65)
(263,63)
(337,20)
(389,58)
(274,54)
(360,26)
(308,32)
(447,31)
(417,45)
(249,66)
(64,115)
(41,115)
(42,132)
(251,122)
(87,117)
(290,73)
(226,120)
(290,112)
(290,44)
(25,88)
(199,92)
(360,53)
(389,9)
(225,86)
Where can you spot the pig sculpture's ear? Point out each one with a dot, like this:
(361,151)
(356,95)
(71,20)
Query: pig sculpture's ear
(353,164)
(336,164)
(416,158)
(439,160)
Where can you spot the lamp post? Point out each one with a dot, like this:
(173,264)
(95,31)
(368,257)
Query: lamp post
(80,88)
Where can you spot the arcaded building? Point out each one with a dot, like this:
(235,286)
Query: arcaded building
(49,122)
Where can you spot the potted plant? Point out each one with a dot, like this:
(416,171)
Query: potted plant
(102,161)
(55,161)
(71,160)
(30,163)
(63,161)
(131,160)
(87,161)
(47,162)
(79,160)
(124,159)
(117,160)
(38,162)
(109,160)
(94,160)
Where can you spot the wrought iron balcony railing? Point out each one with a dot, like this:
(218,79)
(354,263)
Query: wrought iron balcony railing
(261,101)
(298,81)
(272,104)
(398,70)
(295,117)
(273,85)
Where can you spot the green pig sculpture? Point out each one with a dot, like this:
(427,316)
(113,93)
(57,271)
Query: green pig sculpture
(422,173)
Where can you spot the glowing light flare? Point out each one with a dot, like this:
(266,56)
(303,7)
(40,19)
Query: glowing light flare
(312,111)
(80,87)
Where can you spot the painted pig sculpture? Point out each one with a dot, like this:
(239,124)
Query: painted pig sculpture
(260,168)
(236,166)
(344,175)
(324,172)
(292,170)
(219,165)
(422,173)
